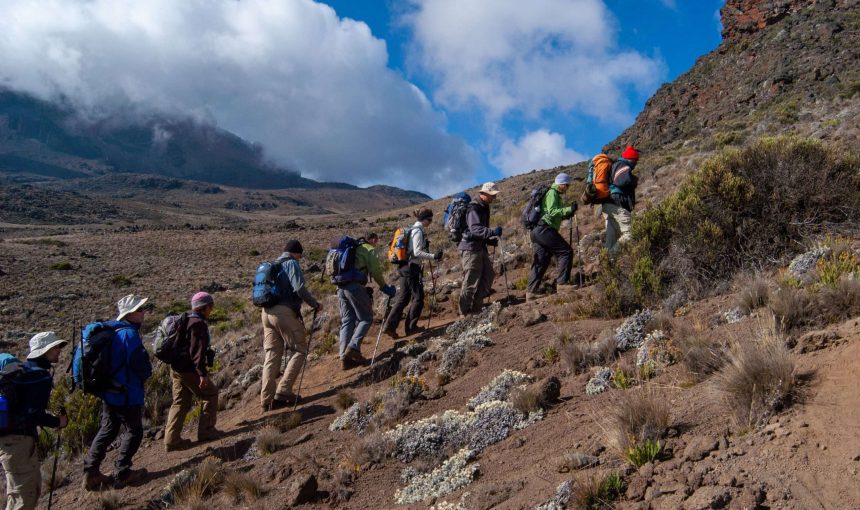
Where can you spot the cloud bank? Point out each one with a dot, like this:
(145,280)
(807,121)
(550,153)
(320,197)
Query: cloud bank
(536,150)
(313,89)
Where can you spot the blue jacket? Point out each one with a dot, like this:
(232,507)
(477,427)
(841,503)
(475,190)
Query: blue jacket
(130,365)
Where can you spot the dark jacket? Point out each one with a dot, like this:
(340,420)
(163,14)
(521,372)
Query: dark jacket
(130,366)
(291,282)
(478,229)
(37,401)
(196,341)
(622,191)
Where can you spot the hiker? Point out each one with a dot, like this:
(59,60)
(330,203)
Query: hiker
(547,242)
(478,271)
(189,376)
(356,303)
(618,207)
(283,329)
(410,285)
(18,444)
(122,405)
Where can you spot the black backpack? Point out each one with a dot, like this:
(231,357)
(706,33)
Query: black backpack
(533,211)
(91,360)
(455,216)
(169,337)
(23,389)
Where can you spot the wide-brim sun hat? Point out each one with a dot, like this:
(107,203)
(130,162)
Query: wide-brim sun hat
(129,304)
(44,342)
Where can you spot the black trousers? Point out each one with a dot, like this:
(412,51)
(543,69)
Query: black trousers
(548,243)
(410,289)
(112,418)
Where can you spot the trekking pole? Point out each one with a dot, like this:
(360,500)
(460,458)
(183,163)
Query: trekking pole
(381,329)
(305,363)
(433,288)
(581,276)
(56,459)
(504,269)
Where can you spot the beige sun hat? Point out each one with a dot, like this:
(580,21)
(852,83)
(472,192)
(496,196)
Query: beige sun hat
(129,304)
(489,188)
(44,342)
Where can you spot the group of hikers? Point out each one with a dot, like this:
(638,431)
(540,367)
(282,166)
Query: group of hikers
(110,361)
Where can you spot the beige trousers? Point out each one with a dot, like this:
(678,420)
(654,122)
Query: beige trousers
(186,386)
(23,477)
(282,330)
(618,221)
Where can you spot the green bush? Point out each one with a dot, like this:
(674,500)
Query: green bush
(728,138)
(61,266)
(644,452)
(159,394)
(744,209)
(121,280)
(83,411)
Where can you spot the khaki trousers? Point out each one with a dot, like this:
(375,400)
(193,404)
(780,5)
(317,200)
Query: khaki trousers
(618,221)
(23,477)
(478,278)
(186,386)
(283,330)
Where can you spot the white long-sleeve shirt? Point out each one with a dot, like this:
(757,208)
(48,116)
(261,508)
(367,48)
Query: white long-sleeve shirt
(417,245)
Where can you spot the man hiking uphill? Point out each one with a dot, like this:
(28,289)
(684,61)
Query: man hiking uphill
(618,207)
(189,376)
(546,240)
(283,329)
(122,403)
(477,267)
(410,286)
(356,303)
(26,411)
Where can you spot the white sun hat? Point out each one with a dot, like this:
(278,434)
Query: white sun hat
(44,342)
(129,304)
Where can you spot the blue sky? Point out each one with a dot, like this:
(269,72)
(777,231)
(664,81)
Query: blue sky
(431,95)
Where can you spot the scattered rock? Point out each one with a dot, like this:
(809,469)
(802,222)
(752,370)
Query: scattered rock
(575,460)
(490,495)
(699,447)
(708,497)
(535,318)
(302,490)
(636,487)
(301,439)
(816,340)
(547,391)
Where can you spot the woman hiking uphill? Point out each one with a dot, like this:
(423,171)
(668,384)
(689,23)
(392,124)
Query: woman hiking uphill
(410,285)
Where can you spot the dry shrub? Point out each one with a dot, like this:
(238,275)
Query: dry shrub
(754,295)
(662,321)
(699,356)
(595,491)
(344,400)
(269,440)
(525,400)
(758,379)
(839,303)
(239,487)
(639,415)
(579,356)
(109,500)
(792,309)
(285,421)
(373,448)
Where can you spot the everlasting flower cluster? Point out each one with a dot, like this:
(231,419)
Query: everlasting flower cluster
(356,418)
(499,388)
(732,316)
(657,350)
(632,332)
(561,498)
(599,382)
(453,474)
(805,262)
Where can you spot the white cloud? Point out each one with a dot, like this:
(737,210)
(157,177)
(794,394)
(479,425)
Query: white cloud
(671,4)
(511,56)
(535,150)
(314,89)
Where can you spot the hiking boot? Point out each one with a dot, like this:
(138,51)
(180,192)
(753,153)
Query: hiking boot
(277,404)
(210,435)
(129,477)
(96,481)
(391,333)
(355,357)
(415,330)
(565,287)
(531,296)
(182,444)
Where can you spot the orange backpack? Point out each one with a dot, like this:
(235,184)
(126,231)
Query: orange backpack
(599,178)
(398,250)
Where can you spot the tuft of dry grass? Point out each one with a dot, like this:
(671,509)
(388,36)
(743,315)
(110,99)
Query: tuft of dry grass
(791,308)
(758,379)
(639,415)
(241,487)
(754,295)
(840,302)
(699,356)
(344,400)
(109,500)
(596,491)
(269,440)
(579,356)
(662,321)
(372,449)
(205,480)
(525,400)
(285,421)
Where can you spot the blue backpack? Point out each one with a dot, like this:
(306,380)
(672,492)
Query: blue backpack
(340,262)
(266,292)
(23,389)
(455,216)
(91,359)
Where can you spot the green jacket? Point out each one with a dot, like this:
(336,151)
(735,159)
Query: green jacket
(367,262)
(554,212)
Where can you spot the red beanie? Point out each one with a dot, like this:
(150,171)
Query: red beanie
(630,153)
